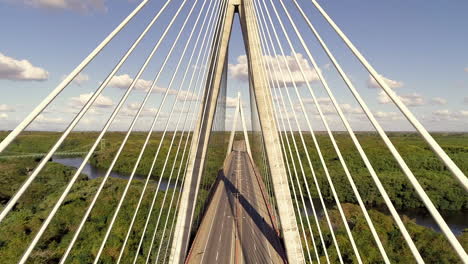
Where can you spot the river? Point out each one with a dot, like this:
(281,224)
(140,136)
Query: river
(456,220)
(92,172)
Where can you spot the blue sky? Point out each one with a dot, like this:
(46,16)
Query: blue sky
(420,46)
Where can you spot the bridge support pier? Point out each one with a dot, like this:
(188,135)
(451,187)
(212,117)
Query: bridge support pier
(269,131)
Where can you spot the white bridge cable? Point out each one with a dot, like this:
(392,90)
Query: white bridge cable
(109,229)
(215,45)
(278,118)
(420,191)
(174,216)
(267,179)
(214,123)
(178,198)
(356,142)
(180,193)
(75,121)
(330,226)
(177,180)
(266,172)
(173,167)
(197,61)
(213,57)
(330,134)
(193,139)
(77,232)
(175,132)
(280,111)
(267,100)
(148,218)
(459,175)
(65,82)
(244,128)
(171,144)
(234,128)
(304,111)
(298,209)
(77,118)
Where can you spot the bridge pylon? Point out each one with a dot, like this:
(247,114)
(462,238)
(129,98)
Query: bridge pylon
(202,132)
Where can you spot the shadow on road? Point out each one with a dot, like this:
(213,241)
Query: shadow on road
(268,231)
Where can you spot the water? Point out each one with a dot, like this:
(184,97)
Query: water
(456,220)
(92,172)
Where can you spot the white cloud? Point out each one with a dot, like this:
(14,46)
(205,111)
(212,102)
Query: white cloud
(132,108)
(3,116)
(20,70)
(80,79)
(124,81)
(320,100)
(81,6)
(388,116)
(101,102)
(42,119)
(190,96)
(371,83)
(413,99)
(445,114)
(328,108)
(442,113)
(6,108)
(347,108)
(439,101)
(240,71)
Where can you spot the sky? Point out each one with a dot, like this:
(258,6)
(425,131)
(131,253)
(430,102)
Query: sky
(419,47)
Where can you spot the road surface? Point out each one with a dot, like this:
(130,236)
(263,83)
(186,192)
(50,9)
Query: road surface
(237,227)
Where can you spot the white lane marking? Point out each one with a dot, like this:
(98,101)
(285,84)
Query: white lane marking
(211,226)
(217,252)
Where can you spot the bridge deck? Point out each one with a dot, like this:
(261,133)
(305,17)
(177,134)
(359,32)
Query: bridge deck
(237,227)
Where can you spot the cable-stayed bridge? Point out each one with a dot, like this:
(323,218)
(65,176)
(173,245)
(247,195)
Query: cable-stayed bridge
(255,209)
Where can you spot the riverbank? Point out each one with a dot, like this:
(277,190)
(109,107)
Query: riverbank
(23,222)
(433,246)
(456,220)
(93,172)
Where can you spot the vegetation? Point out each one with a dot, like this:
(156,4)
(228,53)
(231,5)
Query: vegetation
(433,246)
(24,221)
(20,226)
(444,191)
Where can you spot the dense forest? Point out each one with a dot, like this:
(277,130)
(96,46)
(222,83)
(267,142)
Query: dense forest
(23,222)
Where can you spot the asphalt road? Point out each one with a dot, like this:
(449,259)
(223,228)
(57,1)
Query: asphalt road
(237,227)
